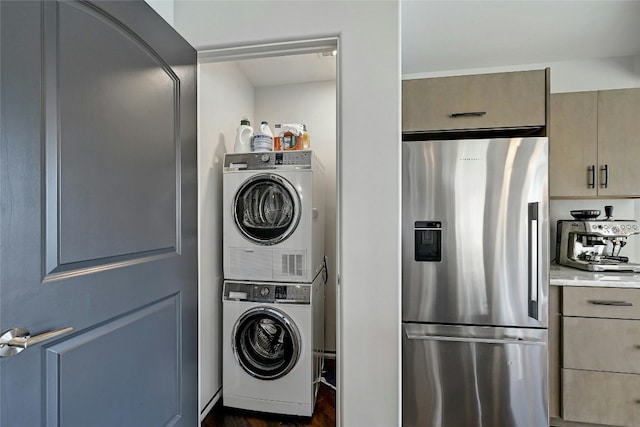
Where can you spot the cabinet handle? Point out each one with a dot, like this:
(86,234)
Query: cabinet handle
(469,114)
(613,303)
(591,183)
(605,181)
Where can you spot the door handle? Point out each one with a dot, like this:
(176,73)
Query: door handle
(534,266)
(15,340)
(472,340)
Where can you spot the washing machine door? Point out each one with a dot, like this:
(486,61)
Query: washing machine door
(266,209)
(266,343)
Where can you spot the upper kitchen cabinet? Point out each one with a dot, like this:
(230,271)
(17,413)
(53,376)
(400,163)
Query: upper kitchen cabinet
(573,151)
(595,144)
(513,100)
(619,142)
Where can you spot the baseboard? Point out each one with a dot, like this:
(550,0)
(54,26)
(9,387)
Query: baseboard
(211,404)
(557,422)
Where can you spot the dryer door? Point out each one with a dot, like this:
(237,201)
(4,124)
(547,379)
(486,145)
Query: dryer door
(266,343)
(266,209)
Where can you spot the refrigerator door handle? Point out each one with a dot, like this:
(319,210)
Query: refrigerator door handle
(534,267)
(413,336)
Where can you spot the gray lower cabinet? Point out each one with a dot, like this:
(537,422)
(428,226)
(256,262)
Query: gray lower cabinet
(606,398)
(600,356)
(513,100)
(555,321)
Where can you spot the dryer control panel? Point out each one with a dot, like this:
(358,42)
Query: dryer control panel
(267,292)
(267,160)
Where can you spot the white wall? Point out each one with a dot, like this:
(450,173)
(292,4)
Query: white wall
(368,172)
(164,9)
(224,97)
(313,104)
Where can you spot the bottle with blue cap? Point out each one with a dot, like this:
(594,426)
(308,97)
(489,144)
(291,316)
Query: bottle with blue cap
(263,138)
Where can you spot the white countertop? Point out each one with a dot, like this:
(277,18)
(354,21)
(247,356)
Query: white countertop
(566,276)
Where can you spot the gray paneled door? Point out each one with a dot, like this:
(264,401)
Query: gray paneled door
(98,216)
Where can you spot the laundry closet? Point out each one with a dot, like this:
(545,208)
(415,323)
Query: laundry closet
(290,88)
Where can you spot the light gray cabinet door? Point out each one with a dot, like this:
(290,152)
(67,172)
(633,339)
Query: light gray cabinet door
(573,145)
(600,398)
(595,144)
(98,215)
(619,142)
(515,100)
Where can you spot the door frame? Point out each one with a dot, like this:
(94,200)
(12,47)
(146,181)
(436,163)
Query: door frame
(287,48)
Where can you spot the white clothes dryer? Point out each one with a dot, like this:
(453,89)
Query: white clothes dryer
(273,216)
(273,342)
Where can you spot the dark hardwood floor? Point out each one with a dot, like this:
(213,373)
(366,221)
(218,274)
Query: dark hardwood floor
(324,414)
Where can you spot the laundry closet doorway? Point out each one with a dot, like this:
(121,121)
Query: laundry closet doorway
(289,82)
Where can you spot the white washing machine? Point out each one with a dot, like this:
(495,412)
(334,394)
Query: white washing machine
(273,216)
(273,341)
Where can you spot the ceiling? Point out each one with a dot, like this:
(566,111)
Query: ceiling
(442,35)
(452,35)
(291,69)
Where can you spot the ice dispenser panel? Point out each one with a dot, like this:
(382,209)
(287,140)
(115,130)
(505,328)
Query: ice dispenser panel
(428,241)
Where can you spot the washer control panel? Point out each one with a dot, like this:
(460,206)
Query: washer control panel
(267,160)
(267,292)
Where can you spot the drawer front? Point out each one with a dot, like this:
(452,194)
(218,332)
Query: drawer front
(615,303)
(601,398)
(500,100)
(601,344)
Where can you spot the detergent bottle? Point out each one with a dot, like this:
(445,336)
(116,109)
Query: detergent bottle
(243,137)
(263,139)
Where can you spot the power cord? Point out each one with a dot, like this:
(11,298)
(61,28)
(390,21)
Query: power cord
(325,271)
(323,380)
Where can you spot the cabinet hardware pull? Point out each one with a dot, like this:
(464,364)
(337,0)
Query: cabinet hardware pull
(637,346)
(469,114)
(591,183)
(605,181)
(614,303)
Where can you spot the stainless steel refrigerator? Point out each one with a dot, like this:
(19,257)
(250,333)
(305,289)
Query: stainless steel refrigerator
(475,283)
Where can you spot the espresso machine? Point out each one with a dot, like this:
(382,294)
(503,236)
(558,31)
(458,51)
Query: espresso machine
(594,245)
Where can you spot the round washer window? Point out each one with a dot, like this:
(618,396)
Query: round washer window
(267,209)
(266,343)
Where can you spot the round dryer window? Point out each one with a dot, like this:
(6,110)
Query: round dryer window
(266,343)
(267,209)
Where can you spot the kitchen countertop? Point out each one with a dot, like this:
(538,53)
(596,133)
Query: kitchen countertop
(566,276)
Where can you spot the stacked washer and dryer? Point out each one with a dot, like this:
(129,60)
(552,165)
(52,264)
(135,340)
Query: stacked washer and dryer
(275,273)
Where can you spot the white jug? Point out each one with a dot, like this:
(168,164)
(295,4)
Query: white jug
(244,133)
(263,139)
